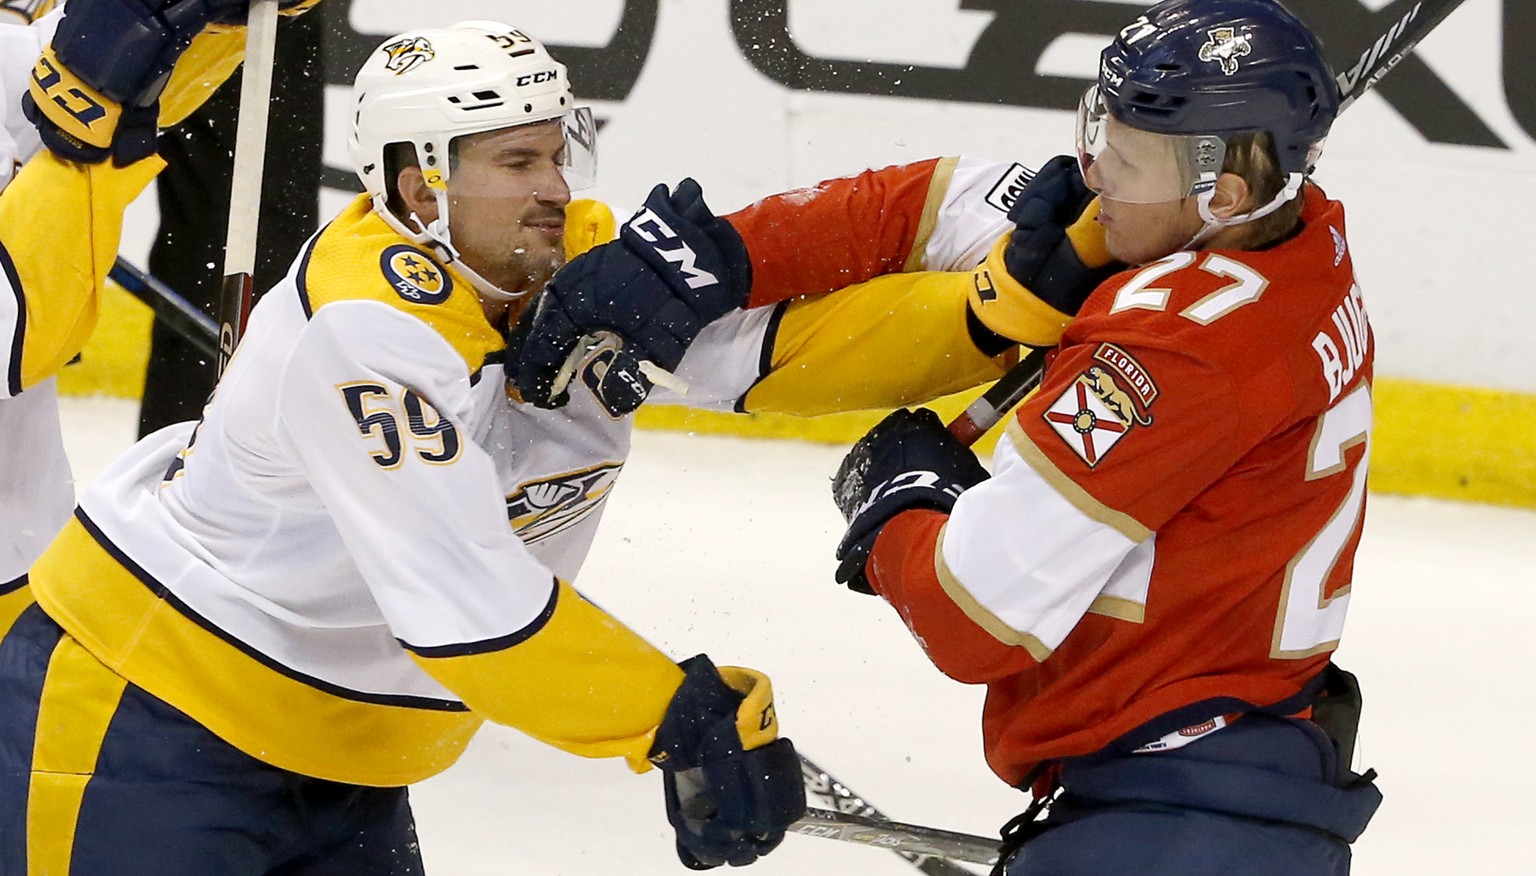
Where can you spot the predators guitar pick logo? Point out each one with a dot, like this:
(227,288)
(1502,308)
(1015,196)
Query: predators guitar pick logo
(407,53)
(552,505)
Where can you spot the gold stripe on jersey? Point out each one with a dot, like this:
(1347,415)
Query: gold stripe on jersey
(587,224)
(1079,498)
(127,622)
(14,599)
(582,682)
(938,185)
(979,614)
(344,264)
(78,700)
(61,223)
(895,340)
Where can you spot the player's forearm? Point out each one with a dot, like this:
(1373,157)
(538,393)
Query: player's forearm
(902,570)
(580,681)
(61,224)
(838,232)
(890,342)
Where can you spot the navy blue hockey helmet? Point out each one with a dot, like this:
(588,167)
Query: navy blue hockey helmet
(1210,69)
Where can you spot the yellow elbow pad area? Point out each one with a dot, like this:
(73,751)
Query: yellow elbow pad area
(1008,308)
(582,682)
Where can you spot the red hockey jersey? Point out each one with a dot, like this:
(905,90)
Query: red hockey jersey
(1170,528)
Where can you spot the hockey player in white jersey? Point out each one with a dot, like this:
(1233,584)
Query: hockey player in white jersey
(61,214)
(264,629)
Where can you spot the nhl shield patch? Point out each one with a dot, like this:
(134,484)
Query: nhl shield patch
(414,276)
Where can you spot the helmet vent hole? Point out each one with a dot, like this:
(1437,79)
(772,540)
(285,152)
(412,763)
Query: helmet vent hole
(467,67)
(520,53)
(486,95)
(1168,68)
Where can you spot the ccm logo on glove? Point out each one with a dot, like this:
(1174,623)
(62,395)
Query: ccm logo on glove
(681,255)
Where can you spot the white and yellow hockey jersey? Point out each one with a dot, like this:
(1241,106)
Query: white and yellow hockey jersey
(60,224)
(324,573)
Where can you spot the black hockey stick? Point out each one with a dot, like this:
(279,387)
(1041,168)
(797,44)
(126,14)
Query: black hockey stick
(1375,62)
(245,187)
(911,841)
(835,797)
(170,308)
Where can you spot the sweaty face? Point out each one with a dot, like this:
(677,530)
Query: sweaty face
(507,202)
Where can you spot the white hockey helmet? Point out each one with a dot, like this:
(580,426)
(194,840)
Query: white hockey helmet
(428,87)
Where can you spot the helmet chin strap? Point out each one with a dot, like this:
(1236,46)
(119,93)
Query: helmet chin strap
(1214,223)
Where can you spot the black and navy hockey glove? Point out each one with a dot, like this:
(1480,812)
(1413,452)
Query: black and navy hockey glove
(733,786)
(909,460)
(675,268)
(95,91)
(1037,277)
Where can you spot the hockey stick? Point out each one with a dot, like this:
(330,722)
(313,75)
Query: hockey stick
(838,799)
(908,840)
(245,188)
(1375,62)
(170,308)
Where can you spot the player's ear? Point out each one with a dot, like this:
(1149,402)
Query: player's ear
(415,194)
(1231,197)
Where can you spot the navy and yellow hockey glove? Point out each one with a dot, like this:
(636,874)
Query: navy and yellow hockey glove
(909,460)
(733,786)
(675,268)
(95,91)
(1037,276)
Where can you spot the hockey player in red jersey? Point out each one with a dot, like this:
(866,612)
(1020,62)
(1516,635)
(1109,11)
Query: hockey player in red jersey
(1153,576)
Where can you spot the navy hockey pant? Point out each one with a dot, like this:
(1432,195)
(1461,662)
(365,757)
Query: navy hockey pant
(1257,797)
(98,778)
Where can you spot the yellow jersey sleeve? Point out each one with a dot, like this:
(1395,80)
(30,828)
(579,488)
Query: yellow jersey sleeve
(582,682)
(896,340)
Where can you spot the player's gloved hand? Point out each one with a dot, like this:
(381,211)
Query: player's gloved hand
(909,460)
(95,91)
(675,268)
(732,785)
(1038,275)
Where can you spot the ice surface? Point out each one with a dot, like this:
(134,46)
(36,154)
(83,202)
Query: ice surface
(724,546)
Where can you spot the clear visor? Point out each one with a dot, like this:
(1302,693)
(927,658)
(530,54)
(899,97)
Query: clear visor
(1125,164)
(578,161)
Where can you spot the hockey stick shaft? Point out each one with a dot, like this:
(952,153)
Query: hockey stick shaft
(834,796)
(245,189)
(1375,63)
(904,839)
(170,308)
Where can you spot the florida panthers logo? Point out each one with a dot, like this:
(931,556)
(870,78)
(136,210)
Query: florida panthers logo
(407,53)
(546,507)
(1225,46)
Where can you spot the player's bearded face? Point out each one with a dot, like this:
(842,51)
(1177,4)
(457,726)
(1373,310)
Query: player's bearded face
(507,202)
